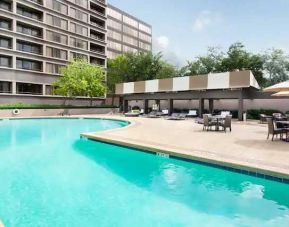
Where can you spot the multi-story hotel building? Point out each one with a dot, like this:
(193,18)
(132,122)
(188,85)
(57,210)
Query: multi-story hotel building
(126,33)
(38,37)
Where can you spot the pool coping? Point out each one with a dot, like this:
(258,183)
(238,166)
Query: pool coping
(171,153)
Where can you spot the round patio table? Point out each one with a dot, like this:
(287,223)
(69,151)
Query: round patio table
(218,119)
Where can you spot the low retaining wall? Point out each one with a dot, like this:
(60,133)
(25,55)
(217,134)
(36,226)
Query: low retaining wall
(55,112)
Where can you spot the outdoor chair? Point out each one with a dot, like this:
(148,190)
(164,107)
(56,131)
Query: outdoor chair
(263,118)
(273,130)
(227,123)
(133,113)
(225,113)
(192,113)
(207,123)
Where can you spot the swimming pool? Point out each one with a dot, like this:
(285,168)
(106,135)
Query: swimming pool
(51,177)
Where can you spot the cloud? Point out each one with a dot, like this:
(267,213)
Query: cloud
(206,19)
(162,44)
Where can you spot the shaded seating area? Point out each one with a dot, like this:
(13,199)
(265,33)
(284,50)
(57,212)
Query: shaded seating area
(177,116)
(273,130)
(217,122)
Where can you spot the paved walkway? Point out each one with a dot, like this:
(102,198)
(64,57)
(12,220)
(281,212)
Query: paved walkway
(245,147)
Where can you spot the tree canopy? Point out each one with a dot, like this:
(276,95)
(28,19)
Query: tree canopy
(80,78)
(269,67)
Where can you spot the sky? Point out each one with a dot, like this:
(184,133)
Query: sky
(184,29)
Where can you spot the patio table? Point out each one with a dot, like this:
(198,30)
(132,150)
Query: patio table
(284,123)
(218,119)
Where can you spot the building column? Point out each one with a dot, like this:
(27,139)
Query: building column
(14,88)
(211,106)
(201,107)
(171,106)
(240,106)
(43,89)
(146,106)
(125,105)
(158,102)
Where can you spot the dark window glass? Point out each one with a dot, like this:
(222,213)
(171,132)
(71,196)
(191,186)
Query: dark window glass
(6,24)
(5,42)
(28,12)
(29,65)
(7,5)
(5,87)
(28,30)
(5,61)
(25,88)
(29,47)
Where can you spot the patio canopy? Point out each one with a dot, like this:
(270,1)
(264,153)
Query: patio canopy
(284,86)
(213,81)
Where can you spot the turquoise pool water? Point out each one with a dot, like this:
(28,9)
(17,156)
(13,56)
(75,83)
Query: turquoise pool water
(51,177)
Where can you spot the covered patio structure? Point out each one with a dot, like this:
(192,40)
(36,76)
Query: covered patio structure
(238,85)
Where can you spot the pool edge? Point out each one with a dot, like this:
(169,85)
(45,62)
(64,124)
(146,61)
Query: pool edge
(230,166)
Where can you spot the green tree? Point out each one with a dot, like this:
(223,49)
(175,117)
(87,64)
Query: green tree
(209,63)
(276,66)
(80,78)
(167,71)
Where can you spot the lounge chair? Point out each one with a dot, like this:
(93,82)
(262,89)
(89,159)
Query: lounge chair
(273,130)
(153,114)
(177,116)
(227,123)
(192,113)
(207,123)
(165,112)
(133,113)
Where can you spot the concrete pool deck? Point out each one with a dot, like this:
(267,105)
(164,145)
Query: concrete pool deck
(244,148)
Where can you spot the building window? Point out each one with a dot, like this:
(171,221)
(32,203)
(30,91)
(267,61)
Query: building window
(29,47)
(29,12)
(29,89)
(97,35)
(97,61)
(49,90)
(130,40)
(115,46)
(112,55)
(57,21)
(53,68)
(57,6)
(29,30)
(56,53)
(145,37)
(79,15)
(113,13)
(28,64)
(114,35)
(78,43)
(97,48)
(5,87)
(5,42)
(6,5)
(130,21)
(56,37)
(97,9)
(40,2)
(82,3)
(5,61)
(5,23)
(145,46)
(145,28)
(114,24)
(75,56)
(78,29)
(97,22)
(129,49)
(130,31)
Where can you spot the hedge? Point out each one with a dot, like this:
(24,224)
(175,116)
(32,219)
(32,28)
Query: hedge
(46,106)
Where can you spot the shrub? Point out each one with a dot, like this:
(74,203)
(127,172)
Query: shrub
(255,113)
